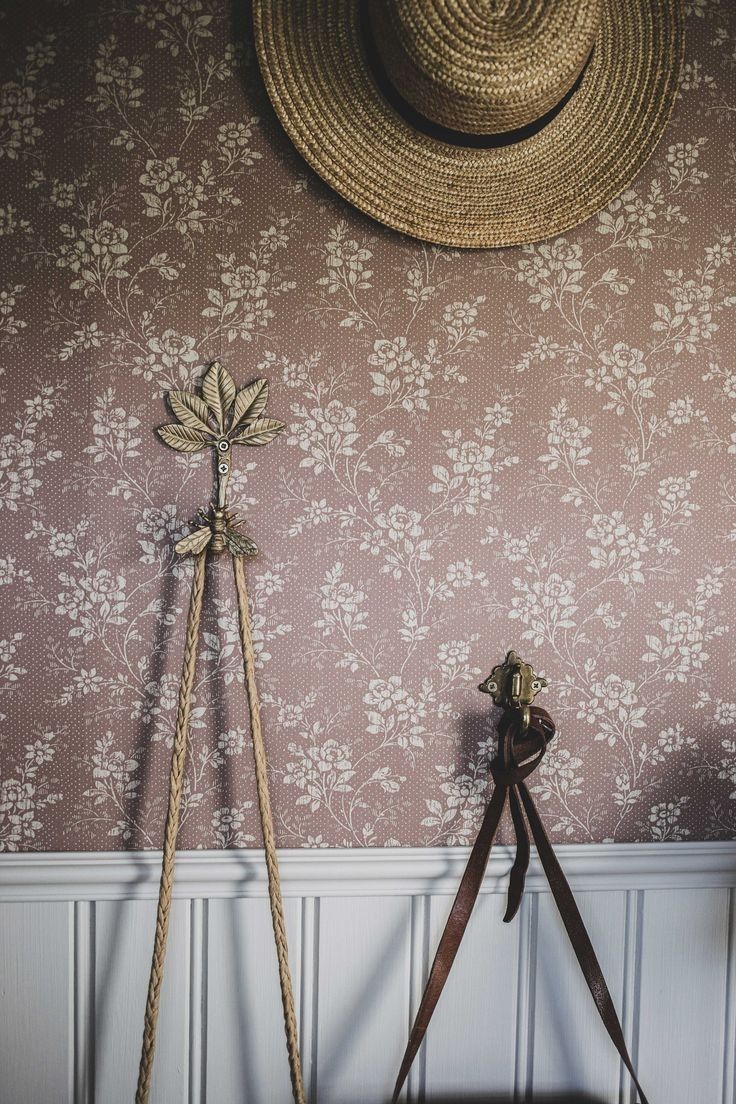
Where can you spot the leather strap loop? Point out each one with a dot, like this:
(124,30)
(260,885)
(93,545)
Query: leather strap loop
(519,754)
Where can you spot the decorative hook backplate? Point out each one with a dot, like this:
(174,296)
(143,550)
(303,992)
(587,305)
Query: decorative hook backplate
(220,418)
(514,685)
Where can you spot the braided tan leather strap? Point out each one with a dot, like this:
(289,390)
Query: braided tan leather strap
(176,782)
(269,839)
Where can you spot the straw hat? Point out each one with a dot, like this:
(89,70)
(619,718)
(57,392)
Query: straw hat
(473,123)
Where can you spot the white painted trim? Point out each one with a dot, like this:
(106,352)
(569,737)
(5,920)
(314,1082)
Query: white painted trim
(729,1019)
(401,871)
(81,1002)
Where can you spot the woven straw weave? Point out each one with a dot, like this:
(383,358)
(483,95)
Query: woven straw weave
(484,67)
(315,66)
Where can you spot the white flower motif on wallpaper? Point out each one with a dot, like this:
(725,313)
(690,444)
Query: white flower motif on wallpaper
(529,447)
(25,450)
(25,100)
(26,791)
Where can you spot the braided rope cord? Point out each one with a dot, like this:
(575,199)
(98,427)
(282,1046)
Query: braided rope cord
(269,839)
(176,784)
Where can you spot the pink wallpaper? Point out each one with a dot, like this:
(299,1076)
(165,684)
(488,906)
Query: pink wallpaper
(531,448)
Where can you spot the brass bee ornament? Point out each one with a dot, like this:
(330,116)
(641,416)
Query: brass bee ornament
(221,528)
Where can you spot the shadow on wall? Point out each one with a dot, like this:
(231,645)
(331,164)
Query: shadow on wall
(538,1098)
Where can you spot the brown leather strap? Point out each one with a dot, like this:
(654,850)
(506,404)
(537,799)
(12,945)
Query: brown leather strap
(578,935)
(454,931)
(519,754)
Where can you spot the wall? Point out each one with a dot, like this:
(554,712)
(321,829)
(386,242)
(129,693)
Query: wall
(528,448)
(516,1020)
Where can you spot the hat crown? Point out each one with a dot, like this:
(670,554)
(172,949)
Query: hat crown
(483,66)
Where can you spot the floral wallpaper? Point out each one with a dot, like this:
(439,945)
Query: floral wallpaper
(531,448)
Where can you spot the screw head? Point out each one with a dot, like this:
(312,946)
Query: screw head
(223,445)
(223,468)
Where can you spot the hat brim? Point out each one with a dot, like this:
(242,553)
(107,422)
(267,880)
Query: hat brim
(314,64)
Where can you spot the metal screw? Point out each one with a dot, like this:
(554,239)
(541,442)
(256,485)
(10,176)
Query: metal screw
(223,445)
(222,468)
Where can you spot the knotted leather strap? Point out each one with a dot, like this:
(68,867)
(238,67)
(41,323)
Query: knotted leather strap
(520,753)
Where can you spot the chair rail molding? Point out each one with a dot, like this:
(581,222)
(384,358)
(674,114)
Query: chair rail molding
(320,872)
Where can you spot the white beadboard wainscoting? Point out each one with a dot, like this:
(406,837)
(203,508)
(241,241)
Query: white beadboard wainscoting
(515,1023)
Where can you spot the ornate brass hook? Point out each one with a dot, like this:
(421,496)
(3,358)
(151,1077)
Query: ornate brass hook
(514,685)
(221,418)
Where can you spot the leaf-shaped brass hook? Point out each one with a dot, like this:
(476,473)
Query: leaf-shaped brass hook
(221,418)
